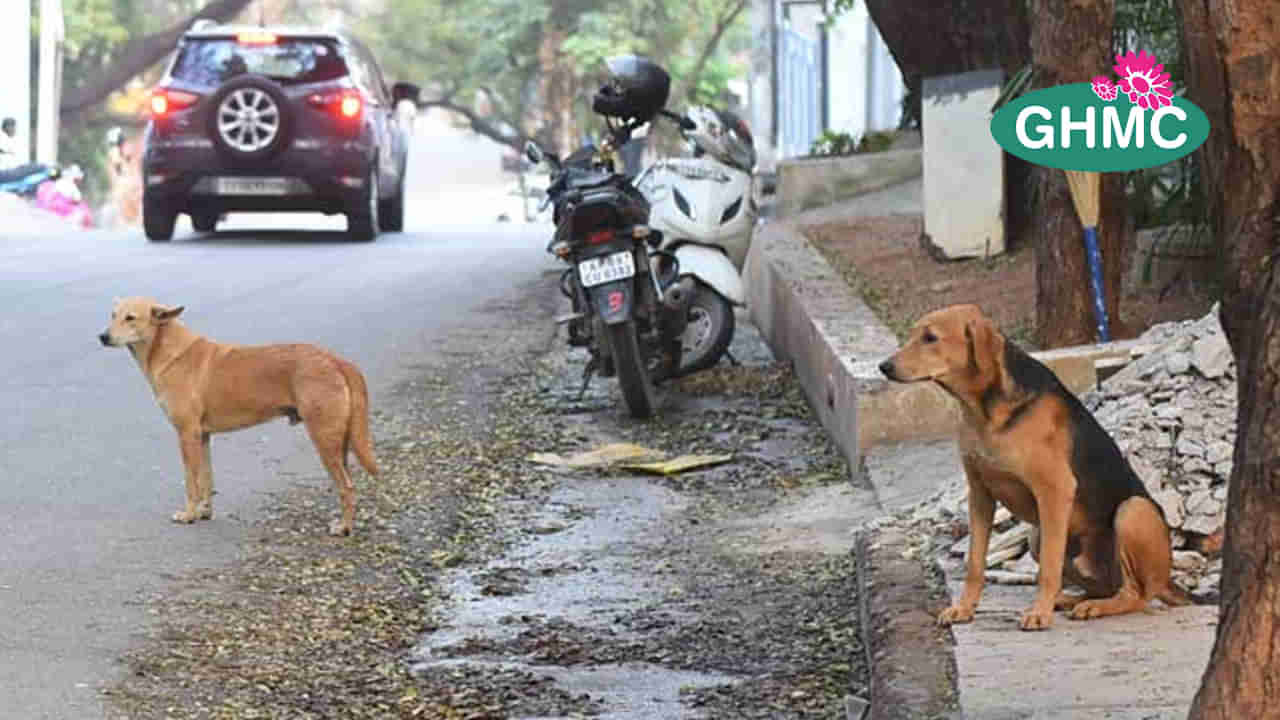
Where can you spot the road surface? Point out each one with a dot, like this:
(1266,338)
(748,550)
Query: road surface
(90,466)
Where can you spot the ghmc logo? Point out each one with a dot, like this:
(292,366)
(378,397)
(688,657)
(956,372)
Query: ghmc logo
(1102,126)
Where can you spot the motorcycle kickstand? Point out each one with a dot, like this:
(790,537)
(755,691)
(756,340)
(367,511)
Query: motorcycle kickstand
(733,361)
(587,372)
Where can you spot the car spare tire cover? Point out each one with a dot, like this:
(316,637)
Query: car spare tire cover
(250,118)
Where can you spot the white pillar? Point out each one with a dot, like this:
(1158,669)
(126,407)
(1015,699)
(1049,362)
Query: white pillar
(15,80)
(52,31)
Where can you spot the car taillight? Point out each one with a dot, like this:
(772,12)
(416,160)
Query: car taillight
(346,103)
(600,237)
(165,100)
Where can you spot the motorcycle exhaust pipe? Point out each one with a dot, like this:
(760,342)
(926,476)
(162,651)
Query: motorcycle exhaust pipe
(678,296)
(675,307)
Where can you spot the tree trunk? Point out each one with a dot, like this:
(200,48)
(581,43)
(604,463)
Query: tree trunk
(1233,74)
(962,35)
(557,79)
(1071,42)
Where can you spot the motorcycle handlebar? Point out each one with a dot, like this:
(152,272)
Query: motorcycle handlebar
(684,122)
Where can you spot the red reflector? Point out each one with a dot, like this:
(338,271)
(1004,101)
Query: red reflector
(600,237)
(256,37)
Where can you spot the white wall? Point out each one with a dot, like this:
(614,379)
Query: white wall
(866,88)
(15,58)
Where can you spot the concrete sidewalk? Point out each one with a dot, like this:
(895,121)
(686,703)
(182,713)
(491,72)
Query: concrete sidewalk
(1137,666)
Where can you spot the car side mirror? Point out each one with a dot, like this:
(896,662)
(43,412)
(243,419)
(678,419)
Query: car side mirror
(405,91)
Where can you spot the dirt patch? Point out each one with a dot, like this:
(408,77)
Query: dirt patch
(883,260)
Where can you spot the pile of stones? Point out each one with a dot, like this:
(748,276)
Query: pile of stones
(1173,413)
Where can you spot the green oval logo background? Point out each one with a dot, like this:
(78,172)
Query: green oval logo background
(1077,97)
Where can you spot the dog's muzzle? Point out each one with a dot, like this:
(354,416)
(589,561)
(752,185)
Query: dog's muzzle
(887,368)
(105,338)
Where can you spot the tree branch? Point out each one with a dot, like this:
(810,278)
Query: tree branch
(139,55)
(479,124)
(733,10)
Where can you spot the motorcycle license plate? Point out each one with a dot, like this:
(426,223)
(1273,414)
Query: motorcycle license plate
(600,270)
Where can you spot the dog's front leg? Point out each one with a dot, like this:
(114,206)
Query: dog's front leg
(1054,497)
(191,442)
(982,510)
(204,506)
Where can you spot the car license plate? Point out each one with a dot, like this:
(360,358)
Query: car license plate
(600,270)
(251,186)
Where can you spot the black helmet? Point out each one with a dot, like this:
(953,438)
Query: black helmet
(637,89)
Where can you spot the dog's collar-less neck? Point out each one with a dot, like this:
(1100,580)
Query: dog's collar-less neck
(157,372)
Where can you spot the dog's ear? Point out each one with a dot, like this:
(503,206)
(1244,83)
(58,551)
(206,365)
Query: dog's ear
(980,342)
(163,314)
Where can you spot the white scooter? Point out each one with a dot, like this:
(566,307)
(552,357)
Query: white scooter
(704,207)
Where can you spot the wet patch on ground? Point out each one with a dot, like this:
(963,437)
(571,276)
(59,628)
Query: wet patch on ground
(483,585)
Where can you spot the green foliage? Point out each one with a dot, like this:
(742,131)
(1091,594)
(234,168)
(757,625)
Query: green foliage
(484,54)
(833,143)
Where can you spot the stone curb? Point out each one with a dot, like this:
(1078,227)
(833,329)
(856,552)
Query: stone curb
(911,660)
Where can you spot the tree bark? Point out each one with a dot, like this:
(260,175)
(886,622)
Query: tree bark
(557,79)
(1233,74)
(1071,42)
(137,56)
(940,37)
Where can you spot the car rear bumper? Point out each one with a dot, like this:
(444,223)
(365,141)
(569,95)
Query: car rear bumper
(327,177)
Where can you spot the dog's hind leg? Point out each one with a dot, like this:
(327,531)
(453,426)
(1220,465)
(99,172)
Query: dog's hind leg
(328,430)
(204,509)
(1143,553)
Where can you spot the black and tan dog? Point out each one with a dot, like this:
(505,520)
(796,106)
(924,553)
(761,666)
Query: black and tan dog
(1029,444)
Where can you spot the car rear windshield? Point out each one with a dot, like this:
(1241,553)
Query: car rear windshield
(291,61)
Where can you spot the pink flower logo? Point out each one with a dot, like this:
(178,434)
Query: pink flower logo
(1143,80)
(1104,88)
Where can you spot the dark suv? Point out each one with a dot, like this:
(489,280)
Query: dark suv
(271,119)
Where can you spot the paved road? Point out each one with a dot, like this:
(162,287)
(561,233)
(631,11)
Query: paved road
(89,465)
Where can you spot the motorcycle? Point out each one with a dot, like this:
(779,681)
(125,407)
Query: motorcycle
(620,312)
(703,206)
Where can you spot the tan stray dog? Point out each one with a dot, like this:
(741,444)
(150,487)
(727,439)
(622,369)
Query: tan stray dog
(1029,444)
(205,387)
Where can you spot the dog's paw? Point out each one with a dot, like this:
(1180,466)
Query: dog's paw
(204,512)
(337,529)
(1086,610)
(955,614)
(1036,619)
(184,517)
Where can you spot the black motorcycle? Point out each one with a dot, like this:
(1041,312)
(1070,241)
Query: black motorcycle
(628,311)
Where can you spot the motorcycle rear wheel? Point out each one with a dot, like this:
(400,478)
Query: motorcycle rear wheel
(709,332)
(633,376)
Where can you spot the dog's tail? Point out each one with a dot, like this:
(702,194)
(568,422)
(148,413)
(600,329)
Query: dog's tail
(358,439)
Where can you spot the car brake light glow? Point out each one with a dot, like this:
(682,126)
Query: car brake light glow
(600,237)
(346,103)
(164,100)
(256,37)
(350,106)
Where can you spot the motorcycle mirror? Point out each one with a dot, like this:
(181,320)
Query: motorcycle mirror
(534,153)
